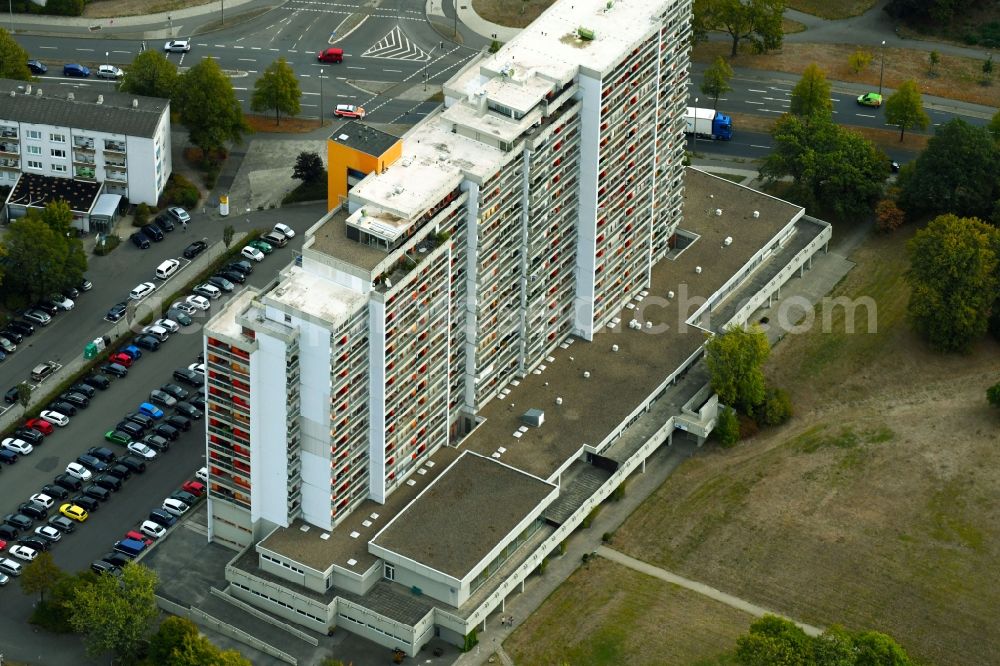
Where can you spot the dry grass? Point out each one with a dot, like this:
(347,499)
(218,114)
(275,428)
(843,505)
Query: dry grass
(788,26)
(512,13)
(875,507)
(266,124)
(832,9)
(117,8)
(608,614)
(956,77)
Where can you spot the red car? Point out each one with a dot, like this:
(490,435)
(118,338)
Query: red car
(121,359)
(132,534)
(331,55)
(3,544)
(41,425)
(194,487)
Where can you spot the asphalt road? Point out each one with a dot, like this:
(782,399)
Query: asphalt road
(393,44)
(128,507)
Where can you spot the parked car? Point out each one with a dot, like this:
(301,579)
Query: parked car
(188,410)
(156,442)
(150,410)
(209,291)
(98,493)
(252,253)
(45,501)
(152,232)
(164,223)
(8,533)
(48,533)
(75,399)
(30,435)
(7,457)
(194,249)
(40,425)
(36,316)
(13,336)
(169,324)
(274,239)
(140,240)
(202,474)
(136,465)
(242,266)
(24,328)
(10,397)
(88,504)
(91,463)
(83,389)
(233,276)
(54,491)
(142,450)
(121,358)
(185,307)
(78,471)
(180,317)
(55,418)
(143,420)
(220,282)
(133,534)
(132,352)
(114,369)
(61,523)
(18,446)
(85,284)
(10,567)
(284,230)
(168,431)
(189,376)
(162,398)
(179,214)
(199,302)
(130,428)
(152,529)
(196,488)
(97,381)
(68,482)
(76,70)
(121,471)
(185,497)
(117,560)
(116,312)
(7,345)
(62,407)
(32,510)
(163,517)
(180,422)
(18,521)
(263,246)
(22,552)
(141,291)
(147,342)
(100,567)
(62,302)
(103,454)
(109,482)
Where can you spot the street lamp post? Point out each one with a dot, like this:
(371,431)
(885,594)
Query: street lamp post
(456,18)
(106,59)
(223,4)
(10,8)
(170,25)
(881,72)
(321,97)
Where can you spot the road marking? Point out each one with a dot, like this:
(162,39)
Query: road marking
(121,52)
(86,50)
(340,78)
(255,48)
(201,44)
(864,115)
(754,145)
(312,105)
(349,67)
(398,71)
(307,76)
(310,93)
(396,46)
(220,46)
(247,59)
(239,47)
(48,47)
(273,49)
(772,111)
(235,88)
(751,102)
(755,90)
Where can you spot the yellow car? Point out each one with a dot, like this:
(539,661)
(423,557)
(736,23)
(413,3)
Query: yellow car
(73,512)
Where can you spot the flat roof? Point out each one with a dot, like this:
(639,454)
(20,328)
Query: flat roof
(331,239)
(434,162)
(592,407)
(341,548)
(364,138)
(311,294)
(226,321)
(464,514)
(38,190)
(100,109)
(550,44)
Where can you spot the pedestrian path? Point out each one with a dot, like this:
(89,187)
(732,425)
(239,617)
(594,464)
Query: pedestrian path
(700,588)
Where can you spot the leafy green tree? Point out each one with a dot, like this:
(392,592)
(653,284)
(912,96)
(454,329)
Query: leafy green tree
(940,12)
(114,613)
(735,360)
(878,649)
(756,22)
(227,235)
(905,108)
(278,89)
(888,216)
(152,75)
(41,575)
(13,58)
(993,395)
(811,95)
(773,640)
(309,168)
(776,408)
(40,255)
(171,634)
(831,167)
(179,643)
(859,60)
(716,81)
(958,172)
(954,280)
(727,426)
(994,126)
(24,394)
(208,107)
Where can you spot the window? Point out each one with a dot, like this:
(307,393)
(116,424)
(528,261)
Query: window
(34,134)
(59,168)
(389,571)
(58,152)
(57,138)
(33,164)
(34,150)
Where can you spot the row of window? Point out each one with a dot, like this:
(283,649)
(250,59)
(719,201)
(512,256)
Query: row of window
(373,628)
(35,164)
(282,563)
(280,603)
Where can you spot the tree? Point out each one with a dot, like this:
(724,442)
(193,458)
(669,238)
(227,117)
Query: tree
(860,60)
(208,107)
(888,216)
(152,75)
(114,613)
(772,640)
(227,235)
(716,81)
(878,649)
(727,426)
(831,167)
(988,70)
(905,108)
(24,394)
(811,95)
(179,643)
(309,168)
(994,126)
(954,280)
(933,60)
(278,89)
(13,58)
(958,172)
(757,22)
(993,395)
(40,255)
(735,360)
(41,575)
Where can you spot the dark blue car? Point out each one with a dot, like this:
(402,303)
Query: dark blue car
(37,67)
(73,69)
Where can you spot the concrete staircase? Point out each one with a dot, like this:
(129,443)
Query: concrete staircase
(579,482)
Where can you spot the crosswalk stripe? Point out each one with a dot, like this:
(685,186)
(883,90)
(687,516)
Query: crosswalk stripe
(396,46)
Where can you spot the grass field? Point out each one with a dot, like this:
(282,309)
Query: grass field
(512,13)
(875,507)
(607,614)
(119,8)
(832,9)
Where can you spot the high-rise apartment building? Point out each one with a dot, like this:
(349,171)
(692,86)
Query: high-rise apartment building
(367,450)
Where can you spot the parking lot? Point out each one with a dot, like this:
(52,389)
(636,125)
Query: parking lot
(128,507)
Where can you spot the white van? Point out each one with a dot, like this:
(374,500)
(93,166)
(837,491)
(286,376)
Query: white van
(167,268)
(9,566)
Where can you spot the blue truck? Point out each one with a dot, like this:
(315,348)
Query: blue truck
(708,123)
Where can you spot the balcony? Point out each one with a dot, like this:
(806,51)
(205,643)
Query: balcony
(8,132)
(83,144)
(84,173)
(83,159)
(116,177)
(9,148)
(114,146)
(6,163)
(120,163)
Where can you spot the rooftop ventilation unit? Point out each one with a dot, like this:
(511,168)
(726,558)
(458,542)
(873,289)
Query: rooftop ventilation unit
(614,348)
(558,400)
(533,418)
(100,99)
(586,374)
(586,34)
(728,241)
(718,212)
(697,269)
(756,214)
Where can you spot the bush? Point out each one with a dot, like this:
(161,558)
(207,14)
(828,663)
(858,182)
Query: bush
(52,616)
(888,216)
(110,243)
(590,516)
(607,537)
(860,60)
(543,565)
(618,493)
(727,427)
(141,217)
(993,395)
(748,427)
(179,192)
(777,408)
(471,640)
